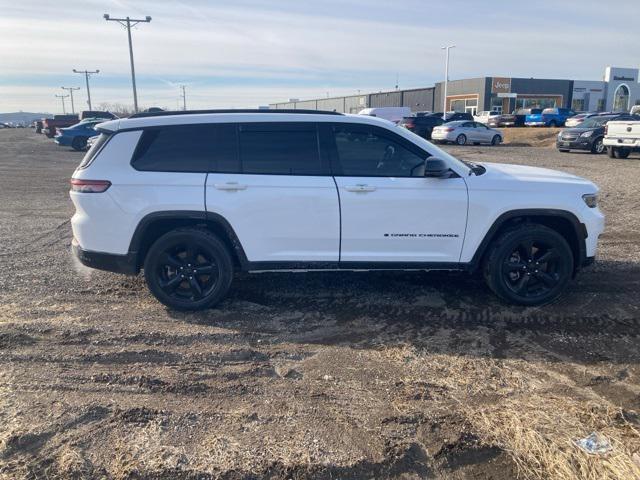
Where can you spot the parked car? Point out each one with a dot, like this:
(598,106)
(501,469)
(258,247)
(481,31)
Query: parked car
(2,125)
(421,125)
(97,114)
(49,125)
(77,135)
(338,192)
(505,120)
(37,126)
(578,118)
(622,137)
(464,132)
(392,114)
(589,135)
(483,117)
(521,114)
(549,117)
(455,116)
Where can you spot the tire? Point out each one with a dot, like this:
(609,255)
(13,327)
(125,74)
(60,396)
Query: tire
(619,152)
(514,271)
(461,139)
(553,124)
(496,140)
(563,150)
(172,263)
(598,147)
(79,143)
(610,152)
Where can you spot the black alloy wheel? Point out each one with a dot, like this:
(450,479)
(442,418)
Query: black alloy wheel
(79,143)
(188,269)
(529,265)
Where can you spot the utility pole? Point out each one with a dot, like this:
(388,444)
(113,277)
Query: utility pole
(62,97)
(71,89)
(446,80)
(184,98)
(128,23)
(87,73)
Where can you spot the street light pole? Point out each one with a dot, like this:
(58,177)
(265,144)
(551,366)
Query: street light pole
(87,73)
(71,89)
(184,98)
(446,80)
(62,97)
(128,23)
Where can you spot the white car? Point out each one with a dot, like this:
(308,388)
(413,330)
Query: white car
(464,132)
(483,117)
(190,198)
(392,114)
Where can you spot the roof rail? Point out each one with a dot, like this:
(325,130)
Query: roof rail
(247,110)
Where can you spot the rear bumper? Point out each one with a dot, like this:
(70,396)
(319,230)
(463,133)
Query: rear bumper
(62,140)
(622,142)
(110,262)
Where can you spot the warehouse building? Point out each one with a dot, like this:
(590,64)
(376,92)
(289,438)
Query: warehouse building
(619,90)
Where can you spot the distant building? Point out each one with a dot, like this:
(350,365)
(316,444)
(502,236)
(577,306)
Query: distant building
(619,90)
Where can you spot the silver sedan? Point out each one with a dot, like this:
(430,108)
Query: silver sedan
(464,132)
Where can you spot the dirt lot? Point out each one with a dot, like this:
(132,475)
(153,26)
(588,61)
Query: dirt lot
(386,375)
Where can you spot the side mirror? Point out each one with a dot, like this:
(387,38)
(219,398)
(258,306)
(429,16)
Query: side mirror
(436,168)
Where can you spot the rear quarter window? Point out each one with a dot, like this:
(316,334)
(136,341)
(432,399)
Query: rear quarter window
(95,149)
(185,148)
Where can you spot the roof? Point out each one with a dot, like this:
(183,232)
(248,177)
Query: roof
(227,116)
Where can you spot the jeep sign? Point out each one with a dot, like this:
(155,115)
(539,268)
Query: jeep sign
(500,85)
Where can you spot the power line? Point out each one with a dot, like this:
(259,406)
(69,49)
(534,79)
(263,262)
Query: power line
(62,97)
(87,74)
(71,89)
(128,23)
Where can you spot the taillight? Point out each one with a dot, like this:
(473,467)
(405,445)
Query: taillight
(449,129)
(606,129)
(89,186)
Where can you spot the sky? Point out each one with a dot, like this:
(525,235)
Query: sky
(246,53)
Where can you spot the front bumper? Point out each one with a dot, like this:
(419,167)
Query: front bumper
(110,262)
(577,144)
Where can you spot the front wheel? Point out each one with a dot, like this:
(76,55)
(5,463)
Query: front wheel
(598,147)
(529,265)
(496,140)
(188,269)
(553,124)
(461,139)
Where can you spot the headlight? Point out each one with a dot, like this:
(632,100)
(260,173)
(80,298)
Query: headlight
(591,199)
(587,134)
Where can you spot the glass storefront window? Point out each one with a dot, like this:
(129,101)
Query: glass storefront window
(577,105)
(621,99)
(536,102)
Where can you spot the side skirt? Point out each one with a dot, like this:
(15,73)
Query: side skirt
(261,267)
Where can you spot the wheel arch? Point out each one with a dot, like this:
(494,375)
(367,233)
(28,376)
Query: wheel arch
(156,224)
(562,221)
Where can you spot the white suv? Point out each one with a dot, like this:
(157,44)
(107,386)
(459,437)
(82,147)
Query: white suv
(190,197)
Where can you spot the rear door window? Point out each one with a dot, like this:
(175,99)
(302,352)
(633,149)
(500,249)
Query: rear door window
(280,149)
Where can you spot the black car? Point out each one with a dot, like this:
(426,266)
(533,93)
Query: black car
(589,135)
(506,120)
(423,124)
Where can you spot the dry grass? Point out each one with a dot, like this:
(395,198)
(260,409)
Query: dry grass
(530,137)
(510,403)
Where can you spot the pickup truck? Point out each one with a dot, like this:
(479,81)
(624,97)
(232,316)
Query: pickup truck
(549,117)
(622,137)
(49,125)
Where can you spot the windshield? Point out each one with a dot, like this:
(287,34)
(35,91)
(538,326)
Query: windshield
(595,122)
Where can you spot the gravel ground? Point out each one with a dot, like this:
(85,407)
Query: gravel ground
(349,375)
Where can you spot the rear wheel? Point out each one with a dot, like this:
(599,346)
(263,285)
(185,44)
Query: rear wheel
(553,124)
(529,265)
(496,140)
(598,147)
(563,150)
(79,143)
(461,139)
(188,269)
(620,152)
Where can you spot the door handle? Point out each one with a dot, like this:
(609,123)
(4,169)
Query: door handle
(360,188)
(230,186)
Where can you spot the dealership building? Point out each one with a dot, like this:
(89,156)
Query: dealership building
(619,90)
